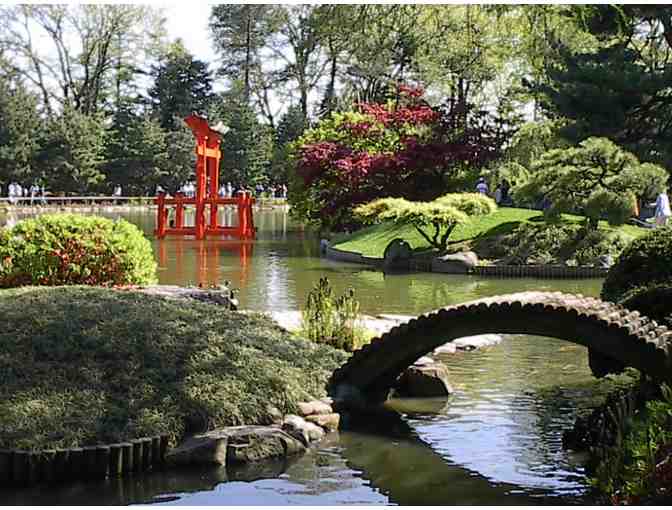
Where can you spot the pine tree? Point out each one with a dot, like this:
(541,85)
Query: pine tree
(183,85)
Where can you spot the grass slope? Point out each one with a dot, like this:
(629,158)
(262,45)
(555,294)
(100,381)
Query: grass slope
(81,365)
(372,241)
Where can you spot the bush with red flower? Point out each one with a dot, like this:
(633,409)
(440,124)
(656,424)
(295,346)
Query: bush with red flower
(403,148)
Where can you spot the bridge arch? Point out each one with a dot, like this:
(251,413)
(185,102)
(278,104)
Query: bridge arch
(607,329)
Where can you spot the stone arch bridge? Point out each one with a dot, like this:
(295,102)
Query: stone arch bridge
(610,332)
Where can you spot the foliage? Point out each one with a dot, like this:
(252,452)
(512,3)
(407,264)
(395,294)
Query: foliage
(331,320)
(402,148)
(596,178)
(73,152)
(621,90)
(246,147)
(19,131)
(84,365)
(66,249)
(554,243)
(653,300)
(483,234)
(645,261)
(442,215)
(182,85)
(638,471)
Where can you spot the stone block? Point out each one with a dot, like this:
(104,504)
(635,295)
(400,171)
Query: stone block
(455,263)
(314,407)
(326,421)
(424,381)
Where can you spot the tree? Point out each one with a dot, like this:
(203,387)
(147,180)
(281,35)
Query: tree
(73,151)
(596,178)
(622,90)
(182,85)
(239,33)
(398,149)
(136,153)
(246,148)
(91,49)
(435,221)
(290,128)
(20,132)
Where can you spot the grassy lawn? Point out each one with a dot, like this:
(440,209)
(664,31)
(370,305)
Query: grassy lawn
(371,241)
(82,365)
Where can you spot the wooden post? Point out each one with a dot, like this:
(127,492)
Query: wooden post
(102,462)
(62,465)
(20,467)
(89,462)
(156,450)
(77,466)
(161,216)
(5,467)
(163,448)
(146,452)
(116,465)
(137,455)
(126,457)
(48,465)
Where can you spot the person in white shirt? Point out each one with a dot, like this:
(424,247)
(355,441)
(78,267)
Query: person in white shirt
(663,212)
(482,187)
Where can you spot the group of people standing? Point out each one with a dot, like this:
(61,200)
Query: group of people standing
(16,192)
(502,191)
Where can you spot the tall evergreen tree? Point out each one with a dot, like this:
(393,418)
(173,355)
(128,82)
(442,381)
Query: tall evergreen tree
(246,148)
(20,133)
(182,85)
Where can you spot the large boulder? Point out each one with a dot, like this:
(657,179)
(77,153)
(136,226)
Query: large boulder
(455,263)
(469,343)
(427,380)
(235,445)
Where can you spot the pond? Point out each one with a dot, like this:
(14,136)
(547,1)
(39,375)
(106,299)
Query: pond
(495,441)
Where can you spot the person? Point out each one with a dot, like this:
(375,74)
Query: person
(506,197)
(481,186)
(498,194)
(663,212)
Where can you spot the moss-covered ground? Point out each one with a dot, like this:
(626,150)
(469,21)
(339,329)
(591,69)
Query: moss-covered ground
(82,365)
(372,241)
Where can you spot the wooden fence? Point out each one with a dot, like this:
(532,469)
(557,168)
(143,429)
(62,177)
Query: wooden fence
(21,467)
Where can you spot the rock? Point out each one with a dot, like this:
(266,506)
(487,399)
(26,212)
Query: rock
(235,444)
(274,414)
(301,429)
(448,348)
(199,450)
(469,343)
(314,407)
(326,421)
(605,261)
(455,263)
(327,400)
(424,381)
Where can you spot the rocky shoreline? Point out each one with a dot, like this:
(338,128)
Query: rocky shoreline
(291,434)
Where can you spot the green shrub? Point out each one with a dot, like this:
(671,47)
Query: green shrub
(81,365)
(70,249)
(331,320)
(654,301)
(555,243)
(435,220)
(646,260)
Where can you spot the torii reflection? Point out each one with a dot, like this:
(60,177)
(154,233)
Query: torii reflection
(204,262)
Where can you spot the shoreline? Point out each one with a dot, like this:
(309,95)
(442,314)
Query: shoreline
(436,265)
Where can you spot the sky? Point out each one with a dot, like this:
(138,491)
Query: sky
(189,21)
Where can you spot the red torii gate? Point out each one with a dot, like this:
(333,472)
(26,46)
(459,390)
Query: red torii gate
(208,156)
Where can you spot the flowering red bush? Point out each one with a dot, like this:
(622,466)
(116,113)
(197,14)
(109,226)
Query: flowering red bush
(404,148)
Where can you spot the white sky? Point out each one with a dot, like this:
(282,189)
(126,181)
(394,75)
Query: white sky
(189,22)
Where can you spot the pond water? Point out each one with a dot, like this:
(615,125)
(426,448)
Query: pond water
(495,441)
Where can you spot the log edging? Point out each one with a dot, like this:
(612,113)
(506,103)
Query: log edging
(96,462)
